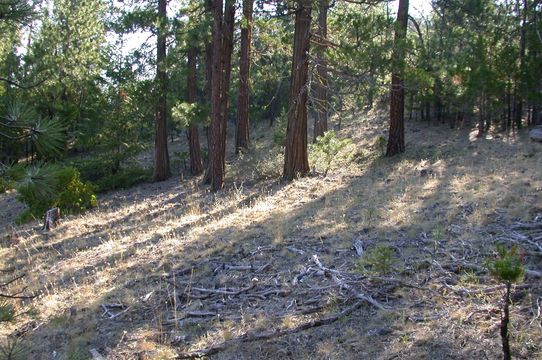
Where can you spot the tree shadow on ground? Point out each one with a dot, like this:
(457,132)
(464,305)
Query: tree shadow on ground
(270,234)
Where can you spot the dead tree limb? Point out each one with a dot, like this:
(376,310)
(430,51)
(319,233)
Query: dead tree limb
(266,335)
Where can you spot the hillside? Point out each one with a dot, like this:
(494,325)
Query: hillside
(267,270)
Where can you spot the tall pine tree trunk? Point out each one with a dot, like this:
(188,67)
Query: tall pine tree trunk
(216,156)
(396,139)
(196,166)
(242,135)
(296,162)
(519,81)
(161,154)
(208,91)
(227,50)
(321,102)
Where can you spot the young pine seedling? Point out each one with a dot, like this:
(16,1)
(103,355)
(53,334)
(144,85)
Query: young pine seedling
(507,268)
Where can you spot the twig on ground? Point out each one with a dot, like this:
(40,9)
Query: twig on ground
(335,275)
(112,315)
(251,336)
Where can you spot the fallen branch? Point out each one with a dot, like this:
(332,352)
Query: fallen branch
(242,267)
(251,336)
(224,291)
(110,314)
(522,226)
(12,280)
(22,297)
(488,290)
(357,294)
(343,284)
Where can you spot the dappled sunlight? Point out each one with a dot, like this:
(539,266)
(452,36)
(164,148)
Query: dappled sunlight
(130,267)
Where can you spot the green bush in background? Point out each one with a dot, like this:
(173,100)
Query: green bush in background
(42,187)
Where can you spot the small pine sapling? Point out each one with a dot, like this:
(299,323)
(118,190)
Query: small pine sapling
(506,268)
(380,144)
(326,149)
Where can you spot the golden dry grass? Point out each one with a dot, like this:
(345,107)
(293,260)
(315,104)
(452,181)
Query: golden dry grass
(125,251)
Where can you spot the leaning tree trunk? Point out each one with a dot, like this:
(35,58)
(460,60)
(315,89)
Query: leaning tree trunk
(321,102)
(196,166)
(396,138)
(161,154)
(296,162)
(216,152)
(242,135)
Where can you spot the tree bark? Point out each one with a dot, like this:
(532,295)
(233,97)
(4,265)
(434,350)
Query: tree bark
(242,135)
(321,101)
(222,46)
(519,86)
(161,154)
(296,161)
(396,138)
(227,50)
(196,166)
(216,169)
(208,91)
(505,319)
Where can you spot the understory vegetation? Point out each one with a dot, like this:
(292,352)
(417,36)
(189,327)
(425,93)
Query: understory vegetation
(270,180)
(167,274)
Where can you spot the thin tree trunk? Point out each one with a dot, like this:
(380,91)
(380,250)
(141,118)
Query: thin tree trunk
(196,166)
(481,113)
(519,86)
(396,139)
(508,107)
(216,155)
(242,135)
(505,318)
(321,87)
(161,154)
(227,50)
(296,161)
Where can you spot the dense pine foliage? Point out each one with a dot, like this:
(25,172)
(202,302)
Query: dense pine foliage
(92,84)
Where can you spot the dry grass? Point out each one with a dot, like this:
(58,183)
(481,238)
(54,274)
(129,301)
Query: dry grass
(126,251)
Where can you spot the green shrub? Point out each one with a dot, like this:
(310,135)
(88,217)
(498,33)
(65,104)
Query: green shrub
(507,267)
(105,173)
(13,348)
(325,152)
(46,186)
(123,179)
(5,185)
(95,167)
(380,144)
(7,311)
(380,259)
(281,127)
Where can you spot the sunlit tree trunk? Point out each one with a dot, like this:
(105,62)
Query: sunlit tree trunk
(222,45)
(321,101)
(396,138)
(196,166)
(242,135)
(295,159)
(161,154)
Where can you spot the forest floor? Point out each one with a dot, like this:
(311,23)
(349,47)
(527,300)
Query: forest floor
(269,270)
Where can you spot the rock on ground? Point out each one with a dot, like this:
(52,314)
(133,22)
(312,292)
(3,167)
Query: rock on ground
(536,133)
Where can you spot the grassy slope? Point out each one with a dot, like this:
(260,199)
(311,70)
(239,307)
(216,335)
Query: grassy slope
(131,249)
